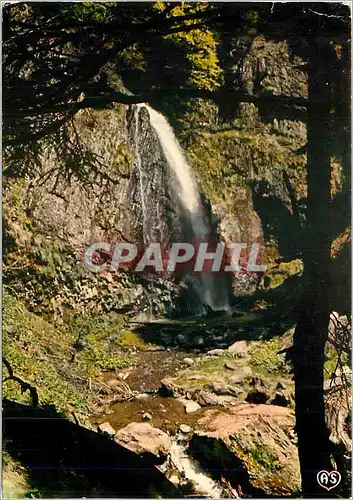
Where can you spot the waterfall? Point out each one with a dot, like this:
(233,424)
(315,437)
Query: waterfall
(172,206)
(186,189)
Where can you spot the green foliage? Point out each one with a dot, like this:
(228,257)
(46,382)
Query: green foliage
(92,11)
(100,338)
(39,353)
(333,360)
(260,454)
(200,46)
(264,456)
(265,358)
(277,275)
(235,157)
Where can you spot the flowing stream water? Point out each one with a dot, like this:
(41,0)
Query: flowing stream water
(203,484)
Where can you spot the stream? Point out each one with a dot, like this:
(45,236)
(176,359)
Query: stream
(167,413)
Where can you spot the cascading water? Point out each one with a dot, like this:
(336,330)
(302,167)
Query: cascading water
(186,189)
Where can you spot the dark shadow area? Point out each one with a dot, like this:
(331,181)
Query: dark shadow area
(219,332)
(222,463)
(284,298)
(278,222)
(65,460)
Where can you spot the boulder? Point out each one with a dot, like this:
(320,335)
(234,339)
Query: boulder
(252,447)
(205,398)
(143,438)
(259,382)
(198,341)
(338,397)
(215,352)
(188,361)
(190,406)
(239,376)
(257,397)
(281,399)
(223,389)
(185,429)
(181,338)
(170,389)
(239,348)
(106,428)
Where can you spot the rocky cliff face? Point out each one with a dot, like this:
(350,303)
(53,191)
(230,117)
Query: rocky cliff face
(244,157)
(50,220)
(247,149)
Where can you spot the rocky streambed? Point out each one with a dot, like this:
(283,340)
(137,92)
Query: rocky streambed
(218,422)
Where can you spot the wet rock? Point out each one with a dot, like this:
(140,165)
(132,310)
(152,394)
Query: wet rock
(239,348)
(106,428)
(142,396)
(190,406)
(146,417)
(188,361)
(143,438)
(215,352)
(257,397)
(223,389)
(240,376)
(281,400)
(244,438)
(185,429)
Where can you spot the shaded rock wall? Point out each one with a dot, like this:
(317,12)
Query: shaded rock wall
(239,152)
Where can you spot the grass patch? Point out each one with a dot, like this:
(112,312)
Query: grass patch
(130,338)
(264,358)
(41,353)
(260,454)
(208,369)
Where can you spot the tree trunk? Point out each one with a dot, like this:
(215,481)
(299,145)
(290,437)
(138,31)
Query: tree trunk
(312,329)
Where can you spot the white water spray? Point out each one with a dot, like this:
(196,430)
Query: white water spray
(187,188)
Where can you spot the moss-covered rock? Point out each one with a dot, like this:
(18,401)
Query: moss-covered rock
(254,447)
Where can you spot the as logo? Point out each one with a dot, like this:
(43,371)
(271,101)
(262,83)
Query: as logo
(328,480)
